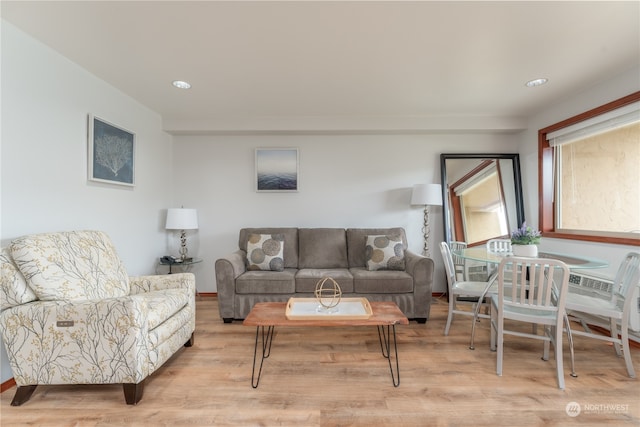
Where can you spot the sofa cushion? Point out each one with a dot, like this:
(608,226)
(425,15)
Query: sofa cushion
(267,282)
(290,242)
(384,252)
(74,265)
(265,252)
(308,278)
(381,281)
(13,287)
(322,248)
(356,242)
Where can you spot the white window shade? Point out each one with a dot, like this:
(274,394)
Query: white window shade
(615,119)
(476,180)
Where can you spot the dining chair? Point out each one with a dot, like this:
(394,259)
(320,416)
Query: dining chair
(499,245)
(531,290)
(460,289)
(615,306)
(458,262)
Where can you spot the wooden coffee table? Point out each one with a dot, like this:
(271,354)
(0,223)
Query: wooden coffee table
(267,315)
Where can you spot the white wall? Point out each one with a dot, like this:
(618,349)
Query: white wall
(345,181)
(45,102)
(607,91)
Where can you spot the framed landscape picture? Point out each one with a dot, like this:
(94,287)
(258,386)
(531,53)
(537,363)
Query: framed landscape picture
(111,153)
(276,169)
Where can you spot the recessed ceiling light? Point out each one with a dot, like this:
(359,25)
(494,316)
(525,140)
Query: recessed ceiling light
(181,84)
(536,82)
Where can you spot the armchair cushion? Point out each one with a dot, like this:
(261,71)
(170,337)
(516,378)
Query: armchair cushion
(68,266)
(164,304)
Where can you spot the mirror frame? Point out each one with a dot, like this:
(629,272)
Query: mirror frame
(445,194)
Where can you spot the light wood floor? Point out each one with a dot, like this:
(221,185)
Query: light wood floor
(337,376)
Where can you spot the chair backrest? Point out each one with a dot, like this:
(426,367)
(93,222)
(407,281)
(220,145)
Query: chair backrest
(454,246)
(626,280)
(448,265)
(499,245)
(533,283)
(70,265)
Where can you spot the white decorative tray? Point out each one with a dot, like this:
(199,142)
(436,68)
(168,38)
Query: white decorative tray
(347,309)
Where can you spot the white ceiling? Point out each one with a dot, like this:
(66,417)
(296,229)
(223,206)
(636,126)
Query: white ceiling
(269,65)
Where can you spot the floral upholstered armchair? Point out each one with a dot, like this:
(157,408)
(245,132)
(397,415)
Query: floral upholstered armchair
(70,314)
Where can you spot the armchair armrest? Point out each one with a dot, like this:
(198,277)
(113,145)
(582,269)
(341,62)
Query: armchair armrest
(140,284)
(83,342)
(421,269)
(228,268)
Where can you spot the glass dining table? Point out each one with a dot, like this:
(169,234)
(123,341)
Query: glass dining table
(574,262)
(482,255)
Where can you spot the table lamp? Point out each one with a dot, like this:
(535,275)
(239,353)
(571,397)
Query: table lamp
(427,195)
(182,219)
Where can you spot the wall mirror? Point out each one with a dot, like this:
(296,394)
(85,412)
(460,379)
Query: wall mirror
(482,196)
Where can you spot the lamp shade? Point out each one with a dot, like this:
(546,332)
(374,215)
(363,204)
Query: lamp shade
(427,194)
(182,219)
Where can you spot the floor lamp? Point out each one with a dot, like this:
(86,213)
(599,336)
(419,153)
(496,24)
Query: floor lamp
(426,195)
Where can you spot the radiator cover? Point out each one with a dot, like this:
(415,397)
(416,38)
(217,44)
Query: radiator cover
(600,286)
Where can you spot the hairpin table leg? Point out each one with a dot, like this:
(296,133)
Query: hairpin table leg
(266,338)
(385,336)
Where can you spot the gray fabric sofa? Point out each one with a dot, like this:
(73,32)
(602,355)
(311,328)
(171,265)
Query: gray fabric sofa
(309,254)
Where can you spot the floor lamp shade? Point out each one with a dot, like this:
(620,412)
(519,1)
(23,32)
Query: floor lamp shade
(427,194)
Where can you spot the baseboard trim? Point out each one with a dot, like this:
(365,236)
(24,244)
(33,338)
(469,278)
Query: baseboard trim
(207,294)
(7,385)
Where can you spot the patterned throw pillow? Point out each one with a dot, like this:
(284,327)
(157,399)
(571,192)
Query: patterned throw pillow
(265,252)
(384,253)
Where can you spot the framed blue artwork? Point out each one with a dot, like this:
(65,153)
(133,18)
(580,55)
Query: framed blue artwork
(277,170)
(111,153)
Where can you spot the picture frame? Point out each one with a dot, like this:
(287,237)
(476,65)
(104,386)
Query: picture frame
(111,153)
(277,170)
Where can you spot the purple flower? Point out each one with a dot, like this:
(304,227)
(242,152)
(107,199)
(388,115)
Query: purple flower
(525,235)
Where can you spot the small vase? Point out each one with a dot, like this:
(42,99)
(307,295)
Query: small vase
(525,250)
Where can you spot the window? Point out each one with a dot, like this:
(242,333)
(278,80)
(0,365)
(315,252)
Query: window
(589,169)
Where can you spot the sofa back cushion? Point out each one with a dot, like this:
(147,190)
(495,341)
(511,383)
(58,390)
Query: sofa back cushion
(357,242)
(74,265)
(290,249)
(322,248)
(13,286)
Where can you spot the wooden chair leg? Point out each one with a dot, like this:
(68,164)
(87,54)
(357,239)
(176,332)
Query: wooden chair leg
(191,341)
(133,392)
(23,393)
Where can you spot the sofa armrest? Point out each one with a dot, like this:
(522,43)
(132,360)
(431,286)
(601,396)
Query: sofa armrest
(141,284)
(421,269)
(228,268)
(83,342)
